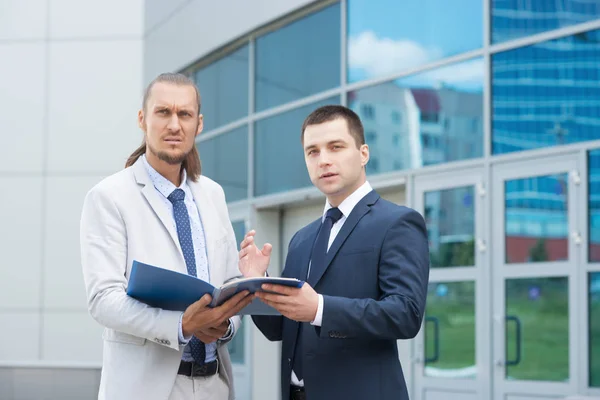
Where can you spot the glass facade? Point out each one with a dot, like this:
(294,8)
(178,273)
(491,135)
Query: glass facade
(279,158)
(514,19)
(536,219)
(225,159)
(433,112)
(594,331)
(390,36)
(428,118)
(223,87)
(298,60)
(537,319)
(546,94)
(432,93)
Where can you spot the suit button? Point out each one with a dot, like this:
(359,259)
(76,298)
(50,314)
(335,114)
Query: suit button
(168,342)
(290,362)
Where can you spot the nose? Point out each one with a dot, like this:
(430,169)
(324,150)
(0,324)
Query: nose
(174,125)
(324,159)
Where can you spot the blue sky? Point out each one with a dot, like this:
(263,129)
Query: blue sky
(436,32)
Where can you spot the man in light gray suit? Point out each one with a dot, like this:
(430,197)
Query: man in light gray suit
(160,210)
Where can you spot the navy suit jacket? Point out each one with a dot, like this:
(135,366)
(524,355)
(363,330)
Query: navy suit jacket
(374,290)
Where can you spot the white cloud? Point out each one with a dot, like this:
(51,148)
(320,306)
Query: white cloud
(381,56)
(467,74)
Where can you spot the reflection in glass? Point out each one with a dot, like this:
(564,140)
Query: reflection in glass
(537,312)
(594,320)
(546,94)
(450,330)
(223,88)
(450,219)
(237,344)
(513,19)
(594,205)
(298,60)
(279,158)
(225,160)
(390,36)
(536,220)
(429,118)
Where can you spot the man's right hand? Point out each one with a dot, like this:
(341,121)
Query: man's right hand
(199,316)
(253,262)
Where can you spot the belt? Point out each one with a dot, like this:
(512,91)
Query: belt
(297,393)
(191,369)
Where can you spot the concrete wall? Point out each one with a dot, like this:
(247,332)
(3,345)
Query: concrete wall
(70,89)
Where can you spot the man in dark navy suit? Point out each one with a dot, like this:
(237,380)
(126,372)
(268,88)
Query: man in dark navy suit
(366,267)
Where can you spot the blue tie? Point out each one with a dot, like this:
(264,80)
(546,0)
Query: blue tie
(184,232)
(317,263)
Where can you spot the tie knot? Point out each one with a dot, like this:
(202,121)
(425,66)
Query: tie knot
(176,195)
(334,213)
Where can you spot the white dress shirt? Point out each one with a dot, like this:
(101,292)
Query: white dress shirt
(346,208)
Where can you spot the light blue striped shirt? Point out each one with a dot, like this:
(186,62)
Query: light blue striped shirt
(165,188)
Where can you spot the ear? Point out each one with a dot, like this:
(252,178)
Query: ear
(364,154)
(141,121)
(200,124)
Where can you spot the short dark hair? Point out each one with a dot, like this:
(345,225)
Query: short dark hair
(332,112)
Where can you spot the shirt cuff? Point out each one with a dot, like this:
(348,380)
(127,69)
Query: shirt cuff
(230,331)
(319,317)
(182,339)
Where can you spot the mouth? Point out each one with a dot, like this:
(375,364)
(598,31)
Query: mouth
(173,140)
(327,175)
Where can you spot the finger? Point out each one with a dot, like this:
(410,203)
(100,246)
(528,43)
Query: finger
(273,298)
(248,238)
(267,248)
(285,290)
(237,308)
(244,252)
(204,300)
(232,302)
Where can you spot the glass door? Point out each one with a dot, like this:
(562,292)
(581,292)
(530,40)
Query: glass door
(453,344)
(537,241)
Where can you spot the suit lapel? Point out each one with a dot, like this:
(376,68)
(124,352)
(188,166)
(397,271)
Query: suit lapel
(213,229)
(300,262)
(155,202)
(359,211)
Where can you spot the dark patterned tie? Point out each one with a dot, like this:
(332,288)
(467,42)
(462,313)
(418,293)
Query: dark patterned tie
(184,232)
(317,263)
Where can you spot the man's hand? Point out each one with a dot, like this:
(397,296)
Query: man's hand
(298,304)
(253,262)
(199,316)
(212,334)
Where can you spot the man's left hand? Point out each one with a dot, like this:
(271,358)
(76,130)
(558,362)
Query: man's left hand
(213,333)
(298,304)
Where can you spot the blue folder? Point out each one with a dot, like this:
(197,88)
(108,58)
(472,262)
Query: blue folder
(172,290)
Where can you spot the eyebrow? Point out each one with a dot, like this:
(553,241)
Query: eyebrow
(186,108)
(338,141)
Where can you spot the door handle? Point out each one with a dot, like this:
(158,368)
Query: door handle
(518,338)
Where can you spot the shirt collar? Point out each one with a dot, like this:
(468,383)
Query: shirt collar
(351,201)
(162,184)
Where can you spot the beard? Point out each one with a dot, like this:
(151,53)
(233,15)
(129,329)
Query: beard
(171,159)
